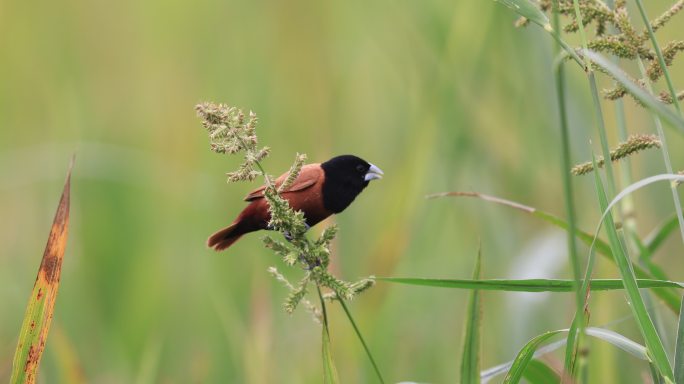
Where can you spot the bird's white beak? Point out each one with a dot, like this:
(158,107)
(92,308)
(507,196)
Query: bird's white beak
(373,173)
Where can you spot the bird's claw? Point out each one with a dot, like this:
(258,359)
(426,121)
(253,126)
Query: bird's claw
(288,235)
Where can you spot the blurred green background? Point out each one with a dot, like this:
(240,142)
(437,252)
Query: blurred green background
(442,95)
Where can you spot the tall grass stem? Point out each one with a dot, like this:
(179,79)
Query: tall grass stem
(568,195)
(363,342)
(666,153)
(659,54)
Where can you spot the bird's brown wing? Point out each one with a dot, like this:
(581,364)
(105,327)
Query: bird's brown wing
(309,176)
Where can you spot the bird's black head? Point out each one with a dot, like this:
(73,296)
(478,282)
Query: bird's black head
(345,177)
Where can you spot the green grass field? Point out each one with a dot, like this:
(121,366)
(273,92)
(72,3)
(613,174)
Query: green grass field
(442,95)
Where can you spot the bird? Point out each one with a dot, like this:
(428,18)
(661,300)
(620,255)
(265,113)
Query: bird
(320,190)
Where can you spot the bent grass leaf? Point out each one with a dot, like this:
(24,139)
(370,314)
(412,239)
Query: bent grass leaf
(527,353)
(528,285)
(488,374)
(636,186)
(525,356)
(633,348)
(40,309)
(670,298)
(654,240)
(538,372)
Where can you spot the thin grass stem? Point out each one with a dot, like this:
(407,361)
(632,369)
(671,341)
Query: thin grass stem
(363,342)
(568,196)
(597,102)
(666,154)
(659,54)
(323,309)
(634,298)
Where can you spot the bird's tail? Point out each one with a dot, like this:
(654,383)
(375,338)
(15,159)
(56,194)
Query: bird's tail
(225,237)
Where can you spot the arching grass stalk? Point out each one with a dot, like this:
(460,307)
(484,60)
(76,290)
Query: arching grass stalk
(657,121)
(654,344)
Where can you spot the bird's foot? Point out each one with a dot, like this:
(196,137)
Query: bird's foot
(288,235)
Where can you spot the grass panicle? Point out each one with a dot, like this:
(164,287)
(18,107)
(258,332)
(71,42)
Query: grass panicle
(293,172)
(230,132)
(634,144)
(615,34)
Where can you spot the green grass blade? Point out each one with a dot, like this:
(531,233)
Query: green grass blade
(656,238)
(34,330)
(645,259)
(538,372)
(526,354)
(670,298)
(329,371)
(646,326)
(490,373)
(679,349)
(646,98)
(568,194)
(363,342)
(611,337)
(470,360)
(528,285)
(655,376)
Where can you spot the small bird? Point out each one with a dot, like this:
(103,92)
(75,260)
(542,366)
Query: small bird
(320,190)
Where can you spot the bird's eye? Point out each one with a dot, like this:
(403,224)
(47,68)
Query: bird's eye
(361,168)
